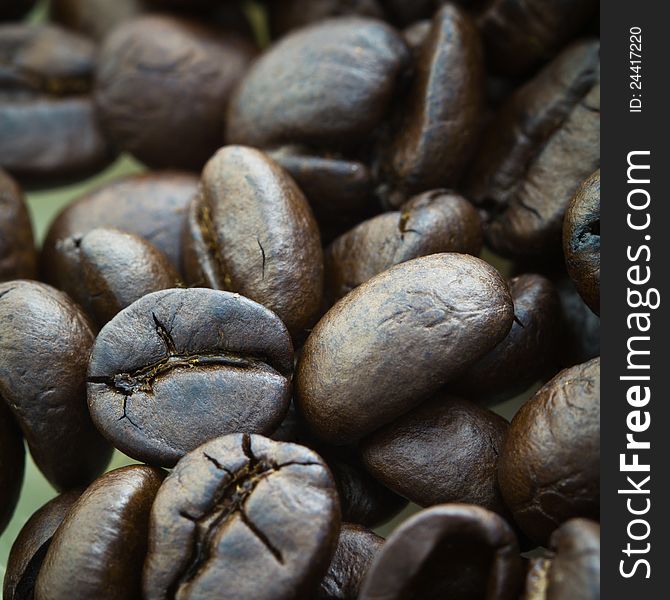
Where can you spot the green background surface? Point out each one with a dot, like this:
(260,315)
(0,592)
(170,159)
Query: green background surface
(44,206)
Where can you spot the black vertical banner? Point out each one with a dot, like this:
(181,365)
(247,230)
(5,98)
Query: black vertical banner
(635,271)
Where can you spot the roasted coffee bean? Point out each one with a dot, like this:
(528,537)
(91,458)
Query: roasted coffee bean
(356,548)
(339,191)
(519,36)
(572,569)
(581,241)
(437,125)
(50,131)
(448,551)
(15,9)
(12,464)
(581,327)
(152,206)
(445,450)
(18,257)
(544,142)
(162,87)
(31,545)
(528,353)
(328,84)
(45,341)
(97,551)
(363,499)
(549,469)
(180,367)
(106,270)
(433,222)
(242,517)
(95,18)
(250,230)
(415,35)
(293,14)
(397,339)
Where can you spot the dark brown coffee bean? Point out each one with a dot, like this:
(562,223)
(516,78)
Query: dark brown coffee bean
(437,125)
(519,36)
(544,142)
(152,206)
(404,315)
(581,327)
(31,545)
(12,464)
(550,465)
(106,270)
(180,367)
(293,14)
(45,341)
(574,573)
(433,222)
(448,551)
(46,111)
(95,18)
(162,87)
(326,84)
(18,257)
(446,450)
(97,551)
(527,354)
(242,517)
(250,230)
(581,241)
(15,9)
(363,499)
(356,548)
(339,191)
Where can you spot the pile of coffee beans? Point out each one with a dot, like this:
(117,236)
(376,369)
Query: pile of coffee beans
(362,228)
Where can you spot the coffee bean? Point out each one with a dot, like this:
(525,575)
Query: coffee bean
(15,9)
(107,270)
(12,464)
(180,367)
(437,125)
(18,258)
(31,545)
(397,339)
(293,14)
(339,190)
(433,222)
(97,551)
(242,517)
(250,230)
(518,37)
(45,341)
(445,450)
(405,12)
(95,18)
(550,465)
(416,35)
(151,205)
(581,241)
(162,86)
(448,551)
(326,84)
(574,573)
(544,142)
(46,111)
(528,353)
(363,499)
(356,548)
